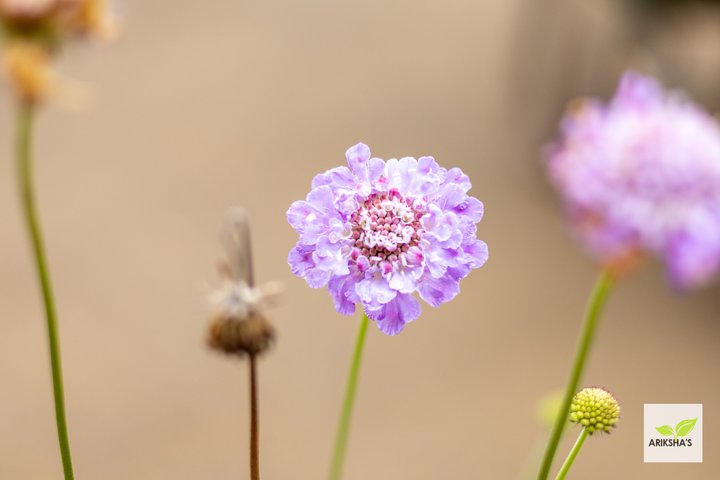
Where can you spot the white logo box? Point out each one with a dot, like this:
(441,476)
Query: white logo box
(687,448)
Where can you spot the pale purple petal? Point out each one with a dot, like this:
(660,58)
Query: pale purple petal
(317,278)
(357,158)
(636,90)
(341,289)
(439,223)
(477,251)
(302,264)
(300,259)
(311,218)
(339,178)
(393,316)
(455,176)
(301,216)
(375,291)
(470,208)
(405,280)
(436,291)
(403,175)
(332,257)
(323,200)
(449,196)
(693,258)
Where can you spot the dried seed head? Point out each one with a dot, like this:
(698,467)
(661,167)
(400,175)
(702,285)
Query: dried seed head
(252,335)
(240,325)
(596,409)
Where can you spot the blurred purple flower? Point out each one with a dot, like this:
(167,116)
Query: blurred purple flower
(379,231)
(642,175)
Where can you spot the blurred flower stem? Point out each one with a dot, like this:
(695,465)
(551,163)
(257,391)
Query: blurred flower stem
(594,308)
(26,115)
(254,451)
(343,430)
(573,453)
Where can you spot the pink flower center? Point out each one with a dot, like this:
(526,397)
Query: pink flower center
(386,226)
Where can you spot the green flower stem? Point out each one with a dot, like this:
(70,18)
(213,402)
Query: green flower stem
(573,453)
(343,430)
(29,209)
(535,456)
(254,450)
(594,308)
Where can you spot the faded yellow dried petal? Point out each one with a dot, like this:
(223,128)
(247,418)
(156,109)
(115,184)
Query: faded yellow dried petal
(91,17)
(28,70)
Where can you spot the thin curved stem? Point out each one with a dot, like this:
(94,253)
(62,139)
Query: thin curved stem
(254,450)
(571,456)
(343,431)
(29,210)
(594,308)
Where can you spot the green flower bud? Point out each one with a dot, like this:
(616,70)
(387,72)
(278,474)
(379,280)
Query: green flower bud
(548,408)
(595,409)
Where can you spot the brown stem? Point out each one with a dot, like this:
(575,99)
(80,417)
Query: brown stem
(254,454)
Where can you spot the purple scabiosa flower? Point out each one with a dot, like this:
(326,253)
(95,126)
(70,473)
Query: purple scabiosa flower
(378,232)
(642,175)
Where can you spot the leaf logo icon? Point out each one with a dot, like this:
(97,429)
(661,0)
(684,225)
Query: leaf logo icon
(684,428)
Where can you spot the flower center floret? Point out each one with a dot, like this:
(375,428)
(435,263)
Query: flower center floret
(386,225)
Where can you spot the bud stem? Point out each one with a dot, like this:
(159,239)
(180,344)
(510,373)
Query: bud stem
(254,450)
(594,308)
(32,223)
(573,453)
(343,431)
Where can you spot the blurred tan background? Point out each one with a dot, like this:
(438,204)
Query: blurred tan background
(204,105)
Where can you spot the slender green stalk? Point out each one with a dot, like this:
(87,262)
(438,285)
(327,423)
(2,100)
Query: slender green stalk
(29,209)
(535,456)
(594,308)
(573,453)
(254,451)
(343,430)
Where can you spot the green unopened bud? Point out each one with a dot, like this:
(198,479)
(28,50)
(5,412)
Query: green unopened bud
(548,408)
(595,409)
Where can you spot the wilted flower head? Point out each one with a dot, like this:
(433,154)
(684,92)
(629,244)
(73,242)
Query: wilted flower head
(377,232)
(595,409)
(56,20)
(34,30)
(239,324)
(25,11)
(642,175)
